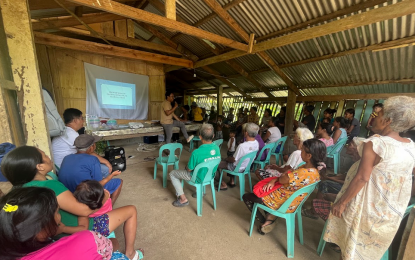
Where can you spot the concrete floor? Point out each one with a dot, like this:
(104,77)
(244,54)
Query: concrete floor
(167,232)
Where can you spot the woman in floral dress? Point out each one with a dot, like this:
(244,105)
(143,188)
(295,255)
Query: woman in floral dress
(370,206)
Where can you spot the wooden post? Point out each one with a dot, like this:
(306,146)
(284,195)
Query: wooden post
(290,114)
(220,100)
(171,9)
(21,47)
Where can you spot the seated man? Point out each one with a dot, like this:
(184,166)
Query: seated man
(64,145)
(85,166)
(250,145)
(207,151)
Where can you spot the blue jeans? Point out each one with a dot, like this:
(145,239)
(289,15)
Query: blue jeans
(105,171)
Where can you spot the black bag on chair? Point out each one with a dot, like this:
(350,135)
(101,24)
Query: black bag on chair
(116,157)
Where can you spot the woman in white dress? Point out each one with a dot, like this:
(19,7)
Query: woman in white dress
(370,206)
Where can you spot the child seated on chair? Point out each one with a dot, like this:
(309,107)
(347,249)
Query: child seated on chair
(301,134)
(219,126)
(231,143)
(313,153)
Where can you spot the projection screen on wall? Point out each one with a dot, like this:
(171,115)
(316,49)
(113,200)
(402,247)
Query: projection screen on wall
(116,94)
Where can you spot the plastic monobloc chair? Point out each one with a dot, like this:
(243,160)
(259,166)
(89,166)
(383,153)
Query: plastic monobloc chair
(270,147)
(208,180)
(165,161)
(251,157)
(219,143)
(386,256)
(334,153)
(299,165)
(194,139)
(279,155)
(289,217)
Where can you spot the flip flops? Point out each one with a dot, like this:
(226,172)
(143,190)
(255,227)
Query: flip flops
(178,204)
(138,254)
(230,185)
(268,228)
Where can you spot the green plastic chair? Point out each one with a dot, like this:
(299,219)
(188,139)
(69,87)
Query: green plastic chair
(334,152)
(386,256)
(165,161)
(219,143)
(251,156)
(270,147)
(194,139)
(299,165)
(289,217)
(279,155)
(52,176)
(201,187)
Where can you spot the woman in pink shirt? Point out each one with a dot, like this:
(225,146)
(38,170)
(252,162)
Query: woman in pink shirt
(324,131)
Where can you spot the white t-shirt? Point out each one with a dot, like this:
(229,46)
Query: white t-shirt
(231,149)
(63,145)
(294,160)
(242,150)
(275,134)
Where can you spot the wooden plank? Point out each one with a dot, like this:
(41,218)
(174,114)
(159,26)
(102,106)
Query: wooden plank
(7,84)
(290,114)
(365,117)
(376,15)
(340,108)
(324,18)
(21,48)
(130,29)
(50,4)
(80,45)
(69,21)
(171,9)
(219,101)
(140,15)
(120,29)
(128,41)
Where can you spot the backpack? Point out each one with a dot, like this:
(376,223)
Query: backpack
(55,122)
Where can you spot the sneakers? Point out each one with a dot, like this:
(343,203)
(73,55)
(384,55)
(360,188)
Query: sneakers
(190,138)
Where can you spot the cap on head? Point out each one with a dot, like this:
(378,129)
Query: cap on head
(85,141)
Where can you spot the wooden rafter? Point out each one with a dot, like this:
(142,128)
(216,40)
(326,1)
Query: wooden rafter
(140,15)
(225,81)
(129,41)
(69,21)
(47,4)
(171,9)
(403,8)
(223,14)
(80,45)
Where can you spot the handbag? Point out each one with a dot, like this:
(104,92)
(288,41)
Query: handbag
(258,188)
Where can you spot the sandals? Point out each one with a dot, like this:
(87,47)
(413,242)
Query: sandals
(230,185)
(306,213)
(335,247)
(178,204)
(139,254)
(268,228)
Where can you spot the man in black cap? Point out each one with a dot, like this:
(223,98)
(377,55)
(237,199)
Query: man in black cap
(83,166)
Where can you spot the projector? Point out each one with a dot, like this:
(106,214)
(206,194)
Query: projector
(116,157)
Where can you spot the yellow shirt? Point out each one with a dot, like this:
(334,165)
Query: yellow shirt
(197,114)
(166,119)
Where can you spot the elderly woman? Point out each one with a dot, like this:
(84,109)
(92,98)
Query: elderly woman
(301,134)
(369,208)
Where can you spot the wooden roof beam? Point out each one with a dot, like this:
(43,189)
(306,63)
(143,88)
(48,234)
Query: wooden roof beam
(147,17)
(108,50)
(225,81)
(50,4)
(403,8)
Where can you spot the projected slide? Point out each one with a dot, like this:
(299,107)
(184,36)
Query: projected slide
(115,95)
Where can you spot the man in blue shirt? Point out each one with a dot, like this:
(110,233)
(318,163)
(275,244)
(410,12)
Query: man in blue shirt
(83,166)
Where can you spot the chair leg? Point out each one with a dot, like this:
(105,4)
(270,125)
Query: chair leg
(199,191)
(250,182)
(386,255)
(212,186)
(322,242)
(220,180)
(290,235)
(191,146)
(335,162)
(155,170)
(204,190)
(176,165)
(165,166)
(300,226)
(254,210)
(242,185)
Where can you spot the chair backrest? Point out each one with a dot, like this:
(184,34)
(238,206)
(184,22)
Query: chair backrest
(408,210)
(251,156)
(210,166)
(299,165)
(307,189)
(337,147)
(218,142)
(172,148)
(268,147)
(281,141)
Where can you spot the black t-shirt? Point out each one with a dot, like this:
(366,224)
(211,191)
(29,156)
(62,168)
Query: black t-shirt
(281,121)
(311,122)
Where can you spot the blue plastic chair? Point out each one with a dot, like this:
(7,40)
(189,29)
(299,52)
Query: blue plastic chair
(386,256)
(299,165)
(289,217)
(270,147)
(165,161)
(219,143)
(194,139)
(279,155)
(251,157)
(52,176)
(334,152)
(201,187)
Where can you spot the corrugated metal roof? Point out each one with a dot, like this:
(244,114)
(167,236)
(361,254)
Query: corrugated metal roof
(364,89)
(269,79)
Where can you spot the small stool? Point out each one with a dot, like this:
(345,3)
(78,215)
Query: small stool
(195,139)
